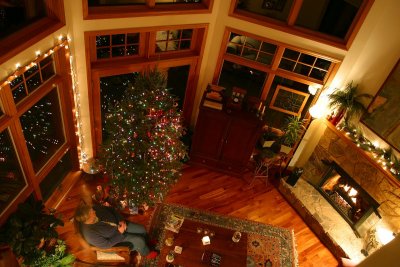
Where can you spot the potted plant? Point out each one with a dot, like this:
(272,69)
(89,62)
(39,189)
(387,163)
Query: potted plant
(347,102)
(31,234)
(294,128)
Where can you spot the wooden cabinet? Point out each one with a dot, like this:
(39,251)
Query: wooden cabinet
(225,141)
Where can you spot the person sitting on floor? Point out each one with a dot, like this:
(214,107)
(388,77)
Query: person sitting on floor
(104,227)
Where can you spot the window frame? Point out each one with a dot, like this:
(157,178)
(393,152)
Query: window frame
(149,9)
(26,37)
(290,27)
(147,59)
(61,82)
(272,69)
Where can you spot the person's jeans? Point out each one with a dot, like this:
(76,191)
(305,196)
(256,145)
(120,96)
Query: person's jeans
(136,234)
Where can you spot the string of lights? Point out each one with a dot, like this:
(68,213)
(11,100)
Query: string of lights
(384,157)
(62,42)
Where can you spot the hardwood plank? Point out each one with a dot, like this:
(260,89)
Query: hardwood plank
(208,190)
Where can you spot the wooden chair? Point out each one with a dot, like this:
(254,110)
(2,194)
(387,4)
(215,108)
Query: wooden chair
(117,255)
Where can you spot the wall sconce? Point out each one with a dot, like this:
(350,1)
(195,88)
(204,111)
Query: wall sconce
(313,89)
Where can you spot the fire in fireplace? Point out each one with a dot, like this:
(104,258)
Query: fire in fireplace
(347,196)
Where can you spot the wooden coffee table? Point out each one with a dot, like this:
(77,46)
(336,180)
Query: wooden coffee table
(233,254)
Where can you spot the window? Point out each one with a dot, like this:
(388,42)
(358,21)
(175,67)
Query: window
(332,21)
(250,79)
(251,48)
(173,40)
(117,45)
(112,89)
(281,80)
(174,50)
(32,78)
(23,21)
(43,129)
(12,178)
(15,15)
(101,9)
(56,175)
(38,129)
(144,44)
(305,64)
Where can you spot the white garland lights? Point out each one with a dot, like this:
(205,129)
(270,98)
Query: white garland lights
(63,41)
(385,158)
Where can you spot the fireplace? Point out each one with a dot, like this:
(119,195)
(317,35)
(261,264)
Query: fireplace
(348,198)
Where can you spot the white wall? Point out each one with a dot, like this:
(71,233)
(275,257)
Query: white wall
(372,55)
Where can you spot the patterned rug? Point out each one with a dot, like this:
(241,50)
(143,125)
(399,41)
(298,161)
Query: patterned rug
(267,245)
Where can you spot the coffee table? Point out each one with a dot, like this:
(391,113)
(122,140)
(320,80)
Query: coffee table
(233,254)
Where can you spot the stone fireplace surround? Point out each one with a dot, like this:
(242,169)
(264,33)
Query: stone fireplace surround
(321,217)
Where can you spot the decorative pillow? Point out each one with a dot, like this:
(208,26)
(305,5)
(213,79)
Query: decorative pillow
(109,256)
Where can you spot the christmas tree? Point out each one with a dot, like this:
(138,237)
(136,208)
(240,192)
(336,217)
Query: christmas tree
(143,152)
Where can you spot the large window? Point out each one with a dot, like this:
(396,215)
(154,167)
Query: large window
(15,15)
(100,9)
(12,178)
(43,129)
(331,21)
(37,131)
(236,75)
(174,50)
(23,21)
(280,80)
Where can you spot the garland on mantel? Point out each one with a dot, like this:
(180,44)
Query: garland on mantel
(385,158)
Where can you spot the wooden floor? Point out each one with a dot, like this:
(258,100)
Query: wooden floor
(204,189)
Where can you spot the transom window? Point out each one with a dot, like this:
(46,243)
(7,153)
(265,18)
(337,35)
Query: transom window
(145,43)
(173,40)
(305,64)
(117,45)
(251,48)
(15,15)
(330,21)
(92,3)
(32,78)
(101,9)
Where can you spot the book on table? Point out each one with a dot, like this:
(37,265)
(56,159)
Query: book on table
(211,258)
(174,223)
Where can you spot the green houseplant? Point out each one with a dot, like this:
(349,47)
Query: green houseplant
(31,234)
(347,102)
(294,128)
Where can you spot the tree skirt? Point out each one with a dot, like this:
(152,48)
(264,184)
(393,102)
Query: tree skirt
(267,245)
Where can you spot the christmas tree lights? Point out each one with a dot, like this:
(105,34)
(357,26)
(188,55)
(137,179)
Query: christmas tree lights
(143,151)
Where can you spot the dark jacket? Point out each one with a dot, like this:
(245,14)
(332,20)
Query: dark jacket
(102,234)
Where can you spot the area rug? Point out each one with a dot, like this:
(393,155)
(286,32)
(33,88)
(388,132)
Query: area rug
(267,245)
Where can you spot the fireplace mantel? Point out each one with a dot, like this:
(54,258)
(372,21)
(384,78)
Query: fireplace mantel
(383,187)
(368,156)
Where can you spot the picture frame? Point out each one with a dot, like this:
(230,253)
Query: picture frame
(288,100)
(383,113)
